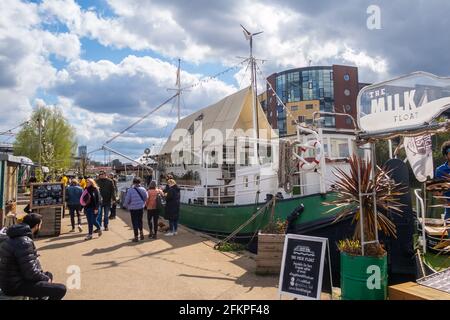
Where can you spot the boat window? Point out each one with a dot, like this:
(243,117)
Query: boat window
(257,180)
(245,182)
(339,148)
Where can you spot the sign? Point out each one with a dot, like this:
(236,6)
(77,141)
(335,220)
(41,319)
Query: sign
(46,195)
(302,266)
(406,102)
(420,155)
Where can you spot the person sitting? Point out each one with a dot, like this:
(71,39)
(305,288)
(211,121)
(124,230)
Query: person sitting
(21,273)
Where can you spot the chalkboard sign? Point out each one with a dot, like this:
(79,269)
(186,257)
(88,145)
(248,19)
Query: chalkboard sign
(302,266)
(46,195)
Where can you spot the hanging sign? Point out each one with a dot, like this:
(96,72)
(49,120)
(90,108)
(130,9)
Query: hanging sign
(403,103)
(419,152)
(302,266)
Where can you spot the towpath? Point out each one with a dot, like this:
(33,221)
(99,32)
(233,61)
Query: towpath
(181,267)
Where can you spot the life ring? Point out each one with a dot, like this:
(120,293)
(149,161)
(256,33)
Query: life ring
(312,144)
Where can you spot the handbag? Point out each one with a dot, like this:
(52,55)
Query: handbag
(140,195)
(160,202)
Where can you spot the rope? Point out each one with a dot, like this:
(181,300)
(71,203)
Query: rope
(246,223)
(141,119)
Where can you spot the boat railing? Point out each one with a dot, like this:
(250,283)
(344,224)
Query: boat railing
(420,209)
(228,191)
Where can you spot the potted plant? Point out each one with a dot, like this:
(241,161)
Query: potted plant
(270,246)
(364,277)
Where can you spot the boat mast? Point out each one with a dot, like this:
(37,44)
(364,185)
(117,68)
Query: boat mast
(252,61)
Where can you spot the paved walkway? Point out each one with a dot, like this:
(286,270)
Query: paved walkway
(182,267)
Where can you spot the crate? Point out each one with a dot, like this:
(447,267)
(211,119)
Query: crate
(51,221)
(270,253)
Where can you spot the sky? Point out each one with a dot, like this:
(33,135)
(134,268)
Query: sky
(106,63)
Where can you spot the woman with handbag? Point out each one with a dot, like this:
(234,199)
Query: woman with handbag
(154,205)
(90,200)
(135,200)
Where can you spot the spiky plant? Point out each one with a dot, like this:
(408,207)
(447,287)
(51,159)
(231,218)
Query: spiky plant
(348,201)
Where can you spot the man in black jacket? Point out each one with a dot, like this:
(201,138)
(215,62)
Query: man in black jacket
(20,270)
(108,195)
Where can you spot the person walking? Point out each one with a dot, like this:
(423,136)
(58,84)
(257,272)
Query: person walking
(91,201)
(135,200)
(108,196)
(172,212)
(21,273)
(153,205)
(114,202)
(73,195)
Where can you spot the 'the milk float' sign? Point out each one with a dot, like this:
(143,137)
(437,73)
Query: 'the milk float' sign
(405,102)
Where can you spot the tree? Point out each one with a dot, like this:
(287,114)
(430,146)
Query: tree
(57,141)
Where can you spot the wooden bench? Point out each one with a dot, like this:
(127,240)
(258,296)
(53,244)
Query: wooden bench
(414,291)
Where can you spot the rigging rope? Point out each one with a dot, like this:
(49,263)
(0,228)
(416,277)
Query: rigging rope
(141,119)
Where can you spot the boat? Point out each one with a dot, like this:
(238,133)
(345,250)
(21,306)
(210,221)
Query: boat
(229,162)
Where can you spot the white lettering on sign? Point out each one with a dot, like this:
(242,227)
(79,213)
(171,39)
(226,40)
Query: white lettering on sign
(374,280)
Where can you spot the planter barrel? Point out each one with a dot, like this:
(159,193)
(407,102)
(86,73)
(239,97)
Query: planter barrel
(270,253)
(360,273)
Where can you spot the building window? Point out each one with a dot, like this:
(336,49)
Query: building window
(294,108)
(301,119)
(331,75)
(346,77)
(310,85)
(257,180)
(347,92)
(309,106)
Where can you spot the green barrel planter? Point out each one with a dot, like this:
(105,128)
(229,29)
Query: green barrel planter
(359,277)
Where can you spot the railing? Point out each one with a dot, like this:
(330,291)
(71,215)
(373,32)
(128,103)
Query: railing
(420,208)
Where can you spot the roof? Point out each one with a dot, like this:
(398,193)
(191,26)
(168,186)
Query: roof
(232,112)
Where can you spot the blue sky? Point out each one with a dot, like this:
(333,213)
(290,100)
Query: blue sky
(107,62)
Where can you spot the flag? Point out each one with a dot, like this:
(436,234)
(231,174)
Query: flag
(419,153)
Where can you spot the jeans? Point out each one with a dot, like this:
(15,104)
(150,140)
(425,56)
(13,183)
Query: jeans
(113,210)
(91,219)
(173,225)
(103,210)
(54,291)
(136,221)
(72,209)
(152,217)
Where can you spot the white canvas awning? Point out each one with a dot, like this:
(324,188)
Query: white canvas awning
(232,112)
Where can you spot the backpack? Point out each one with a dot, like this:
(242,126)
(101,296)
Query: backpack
(85,198)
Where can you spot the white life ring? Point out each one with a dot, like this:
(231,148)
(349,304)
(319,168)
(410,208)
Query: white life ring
(312,144)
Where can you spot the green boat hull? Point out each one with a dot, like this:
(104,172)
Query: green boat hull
(224,219)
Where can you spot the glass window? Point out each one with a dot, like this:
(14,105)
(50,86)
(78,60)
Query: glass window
(339,148)
(346,77)
(257,180)
(245,181)
(294,108)
(331,75)
(309,106)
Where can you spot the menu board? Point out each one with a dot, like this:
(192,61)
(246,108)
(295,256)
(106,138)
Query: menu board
(46,195)
(302,266)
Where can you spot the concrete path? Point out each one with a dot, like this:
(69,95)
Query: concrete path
(182,267)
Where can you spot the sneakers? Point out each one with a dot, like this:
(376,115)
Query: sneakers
(80,228)
(106,229)
(88,237)
(73,230)
(100,232)
(175,233)
(169,234)
(142,236)
(135,239)
(96,230)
